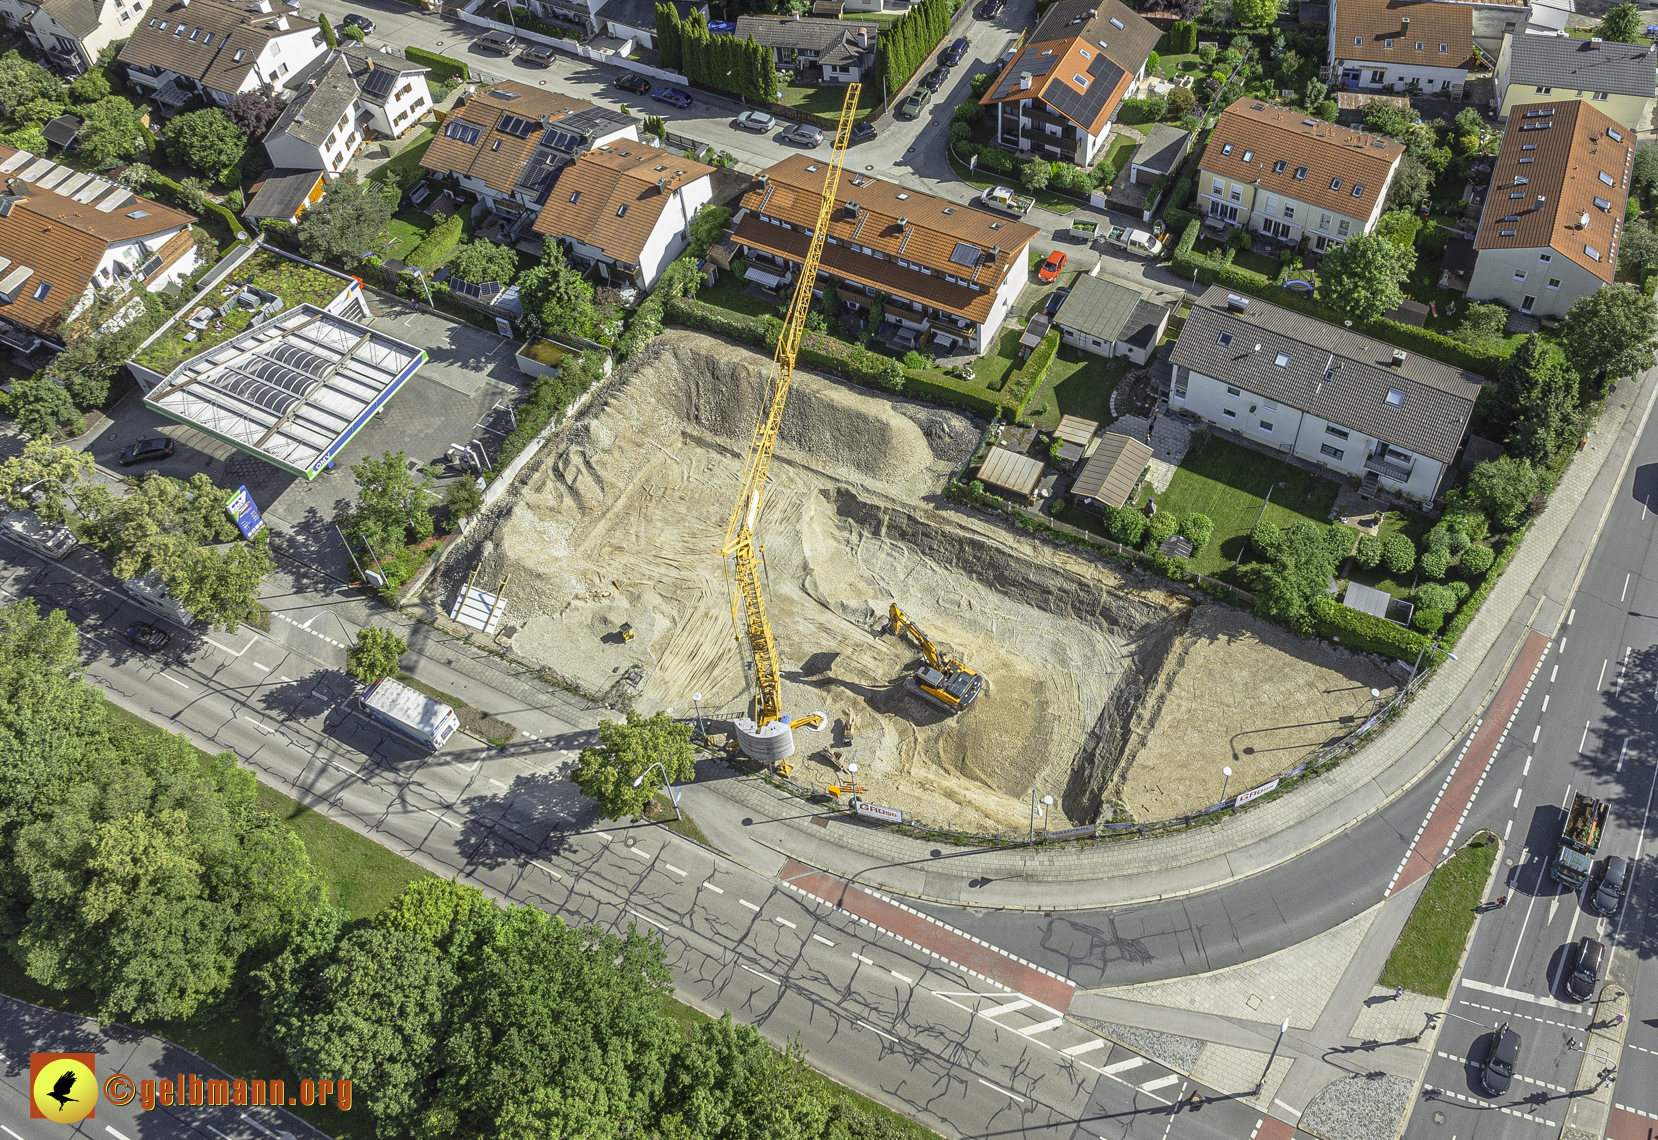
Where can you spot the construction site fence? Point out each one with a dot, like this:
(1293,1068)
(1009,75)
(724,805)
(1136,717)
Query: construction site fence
(1306,768)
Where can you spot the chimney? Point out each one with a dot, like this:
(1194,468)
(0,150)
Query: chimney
(1024,80)
(1406,21)
(313,84)
(1398,360)
(371,63)
(995,252)
(863,38)
(797,15)
(902,222)
(1594,43)
(852,209)
(282,23)
(662,185)
(1236,303)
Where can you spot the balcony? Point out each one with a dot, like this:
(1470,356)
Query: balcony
(1388,468)
(1046,118)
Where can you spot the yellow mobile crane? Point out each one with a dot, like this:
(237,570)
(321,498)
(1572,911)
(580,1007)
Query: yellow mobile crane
(769,735)
(944,680)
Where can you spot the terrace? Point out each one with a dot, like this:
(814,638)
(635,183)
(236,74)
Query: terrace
(217,315)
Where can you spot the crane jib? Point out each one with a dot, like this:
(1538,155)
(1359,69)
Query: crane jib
(748,607)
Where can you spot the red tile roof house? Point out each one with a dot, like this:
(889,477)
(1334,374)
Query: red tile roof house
(1059,95)
(950,273)
(64,234)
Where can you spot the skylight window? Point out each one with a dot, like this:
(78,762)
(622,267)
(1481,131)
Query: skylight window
(194,34)
(1083,52)
(45,287)
(1443,48)
(207,41)
(1116,23)
(1283,360)
(136,214)
(1248,155)
(1224,340)
(575,197)
(239,54)
(1335,184)
(1080,80)
(621,211)
(1527,158)
(1593,253)
(1300,173)
(1278,167)
(1528,146)
(1614,134)
(1506,233)
(1520,180)
(1227,149)
(1358,190)
(1395,397)
(1520,194)
(1603,204)
(178,31)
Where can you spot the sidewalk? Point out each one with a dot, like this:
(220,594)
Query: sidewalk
(1531,594)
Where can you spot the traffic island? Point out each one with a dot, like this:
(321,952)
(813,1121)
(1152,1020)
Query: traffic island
(1591,1098)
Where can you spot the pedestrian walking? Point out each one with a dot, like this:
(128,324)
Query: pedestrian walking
(1619,1020)
(1503,901)
(1398,992)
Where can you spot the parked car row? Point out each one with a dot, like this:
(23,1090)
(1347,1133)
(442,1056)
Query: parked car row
(799,134)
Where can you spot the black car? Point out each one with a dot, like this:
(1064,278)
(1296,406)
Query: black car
(1498,1070)
(990,9)
(146,450)
(863,132)
(956,53)
(147,637)
(536,55)
(935,78)
(637,84)
(362,23)
(1580,983)
(1614,881)
(672,96)
(1055,299)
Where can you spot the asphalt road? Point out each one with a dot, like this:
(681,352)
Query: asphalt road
(963,1054)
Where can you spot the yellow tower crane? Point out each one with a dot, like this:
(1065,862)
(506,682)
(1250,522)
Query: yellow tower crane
(769,735)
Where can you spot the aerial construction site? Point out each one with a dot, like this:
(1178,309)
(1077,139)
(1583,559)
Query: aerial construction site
(1101,688)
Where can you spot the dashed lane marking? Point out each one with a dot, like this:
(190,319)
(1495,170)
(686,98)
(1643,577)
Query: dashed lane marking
(306,626)
(261,668)
(758,974)
(864,960)
(547,869)
(713,888)
(822,939)
(750,905)
(902,978)
(1546,1123)
(1517,995)
(674,869)
(1160,1083)
(784,922)
(1529,1017)
(181,685)
(641,852)
(865,1024)
(1517,1076)
(1123,1066)
(1000,1089)
(606,836)
(1042,1027)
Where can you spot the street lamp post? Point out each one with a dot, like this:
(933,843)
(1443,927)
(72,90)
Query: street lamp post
(1049,801)
(1608,1073)
(672,797)
(696,699)
(1449,656)
(1273,1056)
(1226,780)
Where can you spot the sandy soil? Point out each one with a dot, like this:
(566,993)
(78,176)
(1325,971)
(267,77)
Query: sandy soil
(622,521)
(1200,719)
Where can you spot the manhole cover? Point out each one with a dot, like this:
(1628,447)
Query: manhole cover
(631,841)
(111,435)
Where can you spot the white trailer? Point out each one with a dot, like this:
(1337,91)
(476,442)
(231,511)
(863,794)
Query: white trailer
(410,712)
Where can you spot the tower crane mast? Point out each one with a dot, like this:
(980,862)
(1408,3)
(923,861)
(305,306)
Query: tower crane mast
(768,735)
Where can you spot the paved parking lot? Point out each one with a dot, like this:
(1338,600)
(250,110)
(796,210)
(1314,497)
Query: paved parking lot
(455,398)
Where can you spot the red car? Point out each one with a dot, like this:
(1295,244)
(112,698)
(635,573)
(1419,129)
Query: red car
(1049,270)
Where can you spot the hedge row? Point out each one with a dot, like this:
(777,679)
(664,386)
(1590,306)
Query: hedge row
(1027,381)
(443,66)
(939,387)
(438,243)
(1363,632)
(1484,361)
(228,219)
(849,361)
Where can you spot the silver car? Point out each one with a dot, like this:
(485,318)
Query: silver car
(803,134)
(757,121)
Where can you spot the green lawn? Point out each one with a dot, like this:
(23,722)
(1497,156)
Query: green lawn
(409,227)
(407,160)
(1259,262)
(728,293)
(1229,482)
(1425,958)
(991,369)
(1079,384)
(1414,525)
(881,18)
(984,179)
(1122,146)
(828,99)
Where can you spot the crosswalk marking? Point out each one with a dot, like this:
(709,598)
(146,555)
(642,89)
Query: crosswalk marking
(1085,1047)
(1123,1066)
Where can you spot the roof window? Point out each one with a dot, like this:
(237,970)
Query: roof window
(1278,167)
(1506,233)
(575,197)
(1614,134)
(1083,52)
(207,40)
(1300,173)
(1248,155)
(1116,23)
(1520,180)
(1511,217)
(1443,48)
(1543,126)
(949,209)
(1519,194)
(1527,158)
(239,54)
(1358,40)
(1227,149)
(1358,190)
(903,197)
(1418,45)
(1603,204)
(1388,44)
(1592,252)
(621,211)
(1395,397)
(1224,340)
(1046,51)
(1080,80)
(178,31)
(164,25)
(1606,178)
(152,22)
(1283,360)
(1335,184)
(136,214)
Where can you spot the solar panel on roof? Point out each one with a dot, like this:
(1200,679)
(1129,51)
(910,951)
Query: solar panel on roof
(561,140)
(464,132)
(513,125)
(379,81)
(965,254)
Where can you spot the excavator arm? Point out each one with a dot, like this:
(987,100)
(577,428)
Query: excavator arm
(901,624)
(767,735)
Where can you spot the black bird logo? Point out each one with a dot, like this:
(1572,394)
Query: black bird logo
(60,1090)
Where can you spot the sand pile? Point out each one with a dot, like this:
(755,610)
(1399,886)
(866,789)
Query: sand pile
(621,522)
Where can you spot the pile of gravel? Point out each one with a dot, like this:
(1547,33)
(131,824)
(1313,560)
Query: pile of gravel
(1179,1053)
(1359,1108)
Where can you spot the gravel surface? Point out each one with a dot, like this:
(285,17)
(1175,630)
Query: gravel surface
(1359,1108)
(1165,1048)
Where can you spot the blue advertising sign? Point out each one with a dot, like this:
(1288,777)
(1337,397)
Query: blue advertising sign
(245,511)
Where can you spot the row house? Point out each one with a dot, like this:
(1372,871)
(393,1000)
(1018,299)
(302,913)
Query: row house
(71,33)
(1395,45)
(1058,95)
(339,101)
(949,273)
(1618,79)
(1322,393)
(1280,172)
(206,47)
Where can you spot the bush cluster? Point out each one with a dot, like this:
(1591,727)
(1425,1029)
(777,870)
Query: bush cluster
(1364,632)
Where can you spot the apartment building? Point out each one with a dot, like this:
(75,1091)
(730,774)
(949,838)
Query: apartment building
(1618,79)
(1554,211)
(342,99)
(68,235)
(1323,393)
(1058,95)
(508,142)
(626,210)
(1396,45)
(948,273)
(184,48)
(1283,173)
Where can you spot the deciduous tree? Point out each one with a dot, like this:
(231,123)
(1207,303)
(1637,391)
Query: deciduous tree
(45,478)
(1361,279)
(1535,404)
(625,753)
(390,502)
(1622,24)
(484,260)
(42,407)
(254,111)
(347,220)
(1609,334)
(205,140)
(376,655)
(22,81)
(556,299)
(1504,488)
(707,228)
(111,130)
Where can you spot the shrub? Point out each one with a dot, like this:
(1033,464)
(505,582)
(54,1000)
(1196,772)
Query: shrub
(438,244)
(1428,621)
(1162,527)
(1459,590)
(1398,554)
(1476,560)
(1370,552)
(1057,508)
(1433,596)
(1466,520)
(1127,526)
(1459,543)
(1361,631)
(353,32)
(1199,528)
(443,67)
(1438,539)
(1435,563)
(1266,538)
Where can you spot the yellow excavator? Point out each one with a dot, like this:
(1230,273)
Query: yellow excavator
(768,735)
(944,680)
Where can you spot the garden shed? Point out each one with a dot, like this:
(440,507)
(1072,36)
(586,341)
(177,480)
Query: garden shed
(1114,470)
(1010,471)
